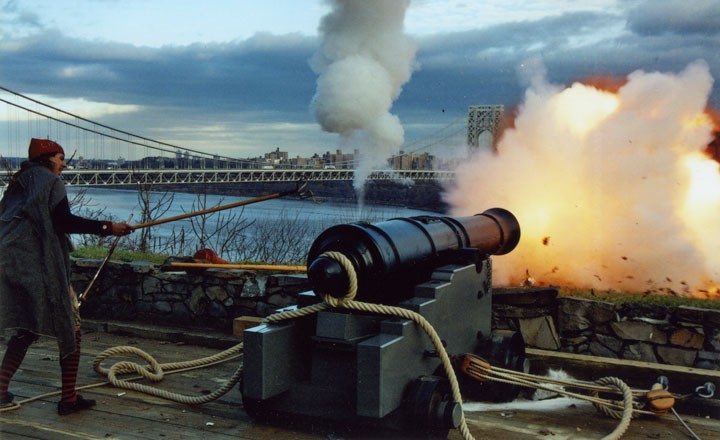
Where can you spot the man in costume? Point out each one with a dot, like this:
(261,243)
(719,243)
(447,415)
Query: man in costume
(35,292)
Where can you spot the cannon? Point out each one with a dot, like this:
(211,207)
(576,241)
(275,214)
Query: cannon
(363,368)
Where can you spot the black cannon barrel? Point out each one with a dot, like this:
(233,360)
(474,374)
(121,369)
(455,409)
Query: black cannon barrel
(391,257)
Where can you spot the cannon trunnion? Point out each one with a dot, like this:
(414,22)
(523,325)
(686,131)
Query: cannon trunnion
(355,367)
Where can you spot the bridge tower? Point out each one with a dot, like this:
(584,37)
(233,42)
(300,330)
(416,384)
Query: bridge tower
(483,120)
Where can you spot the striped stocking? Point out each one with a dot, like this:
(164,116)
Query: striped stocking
(69,366)
(16,349)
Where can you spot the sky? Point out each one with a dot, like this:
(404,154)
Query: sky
(236,78)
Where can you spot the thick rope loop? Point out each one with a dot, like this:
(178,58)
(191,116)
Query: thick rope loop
(152,372)
(627,406)
(328,300)
(607,384)
(347,265)
(613,410)
(156,371)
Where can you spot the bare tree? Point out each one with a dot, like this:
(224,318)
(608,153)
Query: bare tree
(81,204)
(153,205)
(218,230)
(285,239)
(8,169)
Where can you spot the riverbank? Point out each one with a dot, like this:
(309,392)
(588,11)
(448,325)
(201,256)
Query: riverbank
(420,195)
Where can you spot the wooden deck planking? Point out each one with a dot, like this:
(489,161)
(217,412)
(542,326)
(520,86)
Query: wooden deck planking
(579,422)
(128,414)
(124,414)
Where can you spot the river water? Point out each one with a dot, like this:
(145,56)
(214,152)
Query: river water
(276,230)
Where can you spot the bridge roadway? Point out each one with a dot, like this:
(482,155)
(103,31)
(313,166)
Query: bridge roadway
(120,177)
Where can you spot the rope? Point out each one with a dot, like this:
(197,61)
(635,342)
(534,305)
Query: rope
(508,376)
(11,406)
(347,302)
(329,300)
(606,406)
(18,404)
(156,371)
(685,425)
(627,412)
(611,408)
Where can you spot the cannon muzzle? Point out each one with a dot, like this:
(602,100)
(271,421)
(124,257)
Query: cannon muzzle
(391,257)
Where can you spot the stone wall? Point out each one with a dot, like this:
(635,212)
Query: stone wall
(683,336)
(213,298)
(210,298)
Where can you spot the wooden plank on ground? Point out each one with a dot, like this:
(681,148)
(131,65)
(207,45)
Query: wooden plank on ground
(123,414)
(128,414)
(637,374)
(596,363)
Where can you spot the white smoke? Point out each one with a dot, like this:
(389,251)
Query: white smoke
(363,61)
(612,190)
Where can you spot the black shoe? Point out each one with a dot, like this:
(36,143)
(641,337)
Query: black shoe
(79,405)
(7,399)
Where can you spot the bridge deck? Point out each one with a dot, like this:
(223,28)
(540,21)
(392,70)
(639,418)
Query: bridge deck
(123,177)
(122,414)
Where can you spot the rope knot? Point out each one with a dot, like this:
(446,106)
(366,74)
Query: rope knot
(346,264)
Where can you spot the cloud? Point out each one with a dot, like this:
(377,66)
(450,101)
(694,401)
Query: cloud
(658,17)
(266,79)
(480,66)
(255,73)
(180,89)
(14,20)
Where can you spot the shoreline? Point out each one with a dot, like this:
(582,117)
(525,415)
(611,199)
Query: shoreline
(425,196)
(422,196)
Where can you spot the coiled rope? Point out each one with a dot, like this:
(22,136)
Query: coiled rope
(156,371)
(125,383)
(501,375)
(627,413)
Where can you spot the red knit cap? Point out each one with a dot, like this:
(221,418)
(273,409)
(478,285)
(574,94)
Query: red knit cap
(39,147)
(209,255)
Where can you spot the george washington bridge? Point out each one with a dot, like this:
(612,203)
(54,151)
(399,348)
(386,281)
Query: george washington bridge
(23,117)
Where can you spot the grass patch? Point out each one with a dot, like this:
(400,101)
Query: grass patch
(642,298)
(127,256)
(123,255)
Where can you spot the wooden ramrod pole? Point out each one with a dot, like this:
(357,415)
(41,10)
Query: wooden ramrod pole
(269,267)
(300,190)
(83,296)
(206,211)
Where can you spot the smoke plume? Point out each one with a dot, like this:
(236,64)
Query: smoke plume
(612,190)
(363,61)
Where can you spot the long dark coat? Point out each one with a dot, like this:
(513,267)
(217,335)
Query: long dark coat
(35,259)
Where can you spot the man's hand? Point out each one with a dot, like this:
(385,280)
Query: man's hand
(121,229)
